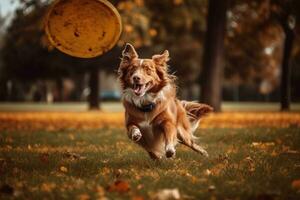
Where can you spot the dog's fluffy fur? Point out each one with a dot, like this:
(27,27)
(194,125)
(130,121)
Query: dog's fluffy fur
(147,81)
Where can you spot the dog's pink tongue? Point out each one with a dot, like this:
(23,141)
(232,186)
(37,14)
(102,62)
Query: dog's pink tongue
(138,90)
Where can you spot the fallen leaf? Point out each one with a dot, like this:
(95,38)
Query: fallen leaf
(119,186)
(288,150)
(211,188)
(79,182)
(105,171)
(140,186)
(297,166)
(274,153)
(9,140)
(71,136)
(167,194)
(83,197)
(137,198)
(73,156)
(292,152)
(105,161)
(248,163)
(48,187)
(207,172)
(15,171)
(63,169)
(296,184)
(118,173)
(263,145)
(217,169)
(100,191)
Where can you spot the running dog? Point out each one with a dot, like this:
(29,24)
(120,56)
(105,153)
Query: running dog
(155,118)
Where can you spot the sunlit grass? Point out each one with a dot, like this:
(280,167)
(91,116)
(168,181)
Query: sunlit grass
(243,163)
(58,121)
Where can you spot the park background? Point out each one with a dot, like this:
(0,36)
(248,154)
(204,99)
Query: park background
(254,32)
(62,123)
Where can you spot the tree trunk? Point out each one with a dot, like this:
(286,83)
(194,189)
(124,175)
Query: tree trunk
(94,89)
(60,89)
(285,96)
(213,54)
(4,93)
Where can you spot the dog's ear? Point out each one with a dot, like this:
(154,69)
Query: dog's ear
(129,53)
(161,59)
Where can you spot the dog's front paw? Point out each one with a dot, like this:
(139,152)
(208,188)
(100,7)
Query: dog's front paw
(136,134)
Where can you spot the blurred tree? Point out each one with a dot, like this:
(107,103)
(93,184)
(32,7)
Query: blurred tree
(287,13)
(212,73)
(179,26)
(3,88)
(28,55)
(254,44)
(25,54)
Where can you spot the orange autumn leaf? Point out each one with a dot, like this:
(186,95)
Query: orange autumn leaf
(263,146)
(119,186)
(48,187)
(100,191)
(137,198)
(63,169)
(217,169)
(296,184)
(83,197)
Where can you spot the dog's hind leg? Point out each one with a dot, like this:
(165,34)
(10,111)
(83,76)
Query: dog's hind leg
(196,148)
(186,138)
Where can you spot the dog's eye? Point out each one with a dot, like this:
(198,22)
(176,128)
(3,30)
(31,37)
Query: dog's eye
(148,70)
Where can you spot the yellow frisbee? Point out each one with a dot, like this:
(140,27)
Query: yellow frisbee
(83,28)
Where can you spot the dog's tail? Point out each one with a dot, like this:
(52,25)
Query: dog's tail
(195,111)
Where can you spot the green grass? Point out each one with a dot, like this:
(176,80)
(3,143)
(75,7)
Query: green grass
(252,163)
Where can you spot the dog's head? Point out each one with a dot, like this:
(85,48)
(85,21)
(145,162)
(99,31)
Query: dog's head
(143,75)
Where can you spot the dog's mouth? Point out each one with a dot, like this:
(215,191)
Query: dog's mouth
(140,89)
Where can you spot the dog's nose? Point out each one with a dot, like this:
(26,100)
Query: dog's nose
(136,78)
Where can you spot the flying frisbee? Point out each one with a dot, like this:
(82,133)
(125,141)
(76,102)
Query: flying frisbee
(83,28)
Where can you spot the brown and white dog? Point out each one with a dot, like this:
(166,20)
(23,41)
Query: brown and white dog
(155,118)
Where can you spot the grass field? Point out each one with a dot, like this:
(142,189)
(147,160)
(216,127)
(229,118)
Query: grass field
(61,151)
(244,163)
